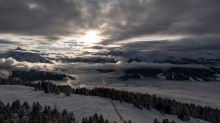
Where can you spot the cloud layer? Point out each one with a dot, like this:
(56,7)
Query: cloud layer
(115,20)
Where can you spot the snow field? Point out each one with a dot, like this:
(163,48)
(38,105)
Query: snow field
(83,106)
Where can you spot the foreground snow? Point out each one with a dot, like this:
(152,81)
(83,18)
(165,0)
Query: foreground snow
(84,105)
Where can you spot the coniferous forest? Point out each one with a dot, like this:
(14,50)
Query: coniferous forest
(36,113)
(166,106)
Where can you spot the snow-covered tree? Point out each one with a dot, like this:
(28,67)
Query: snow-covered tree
(184,114)
(68,91)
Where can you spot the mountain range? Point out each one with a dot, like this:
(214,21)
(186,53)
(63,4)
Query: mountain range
(210,61)
(20,54)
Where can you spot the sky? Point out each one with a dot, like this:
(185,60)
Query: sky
(83,25)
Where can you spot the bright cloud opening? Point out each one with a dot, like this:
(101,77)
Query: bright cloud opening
(91,37)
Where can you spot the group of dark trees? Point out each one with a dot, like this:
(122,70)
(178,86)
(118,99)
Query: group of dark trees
(24,113)
(95,119)
(98,119)
(139,100)
(164,121)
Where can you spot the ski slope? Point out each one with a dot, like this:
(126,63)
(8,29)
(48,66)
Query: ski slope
(83,106)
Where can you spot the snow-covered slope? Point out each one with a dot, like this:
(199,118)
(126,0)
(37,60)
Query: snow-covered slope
(85,105)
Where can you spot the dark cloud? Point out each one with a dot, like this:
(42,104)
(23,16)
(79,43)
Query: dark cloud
(95,47)
(36,17)
(9,42)
(53,38)
(6,42)
(116,20)
(102,48)
(191,43)
(164,18)
(17,43)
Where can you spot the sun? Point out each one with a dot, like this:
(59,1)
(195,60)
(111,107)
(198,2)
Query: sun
(91,37)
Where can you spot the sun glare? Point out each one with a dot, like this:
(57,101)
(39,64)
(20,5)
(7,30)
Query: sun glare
(91,37)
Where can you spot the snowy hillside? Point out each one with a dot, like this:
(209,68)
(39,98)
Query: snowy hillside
(85,105)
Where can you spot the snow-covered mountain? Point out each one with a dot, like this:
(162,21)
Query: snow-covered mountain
(175,73)
(208,59)
(205,58)
(151,57)
(18,48)
(20,54)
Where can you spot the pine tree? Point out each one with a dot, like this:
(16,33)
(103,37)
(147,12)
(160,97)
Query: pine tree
(71,118)
(101,119)
(84,120)
(16,106)
(45,118)
(95,117)
(25,119)
(90,120)
(120,100)
(2,108)
(135,105)
(64,116)
(68,91)
(35,88)
(184,114)
(47,89)
(167,121)
(164,121)
(107,121)
(26,106)
(55,115)
(35,114)
(46,110)
(7,108)
(40,86)
(73,91)
(148,106)
(173,121)
(57,91)
(155,120)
